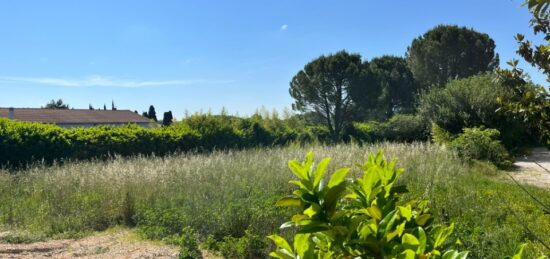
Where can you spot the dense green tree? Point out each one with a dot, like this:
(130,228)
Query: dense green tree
(152,114)
(388,89)
(472,102)
(53,104)
(167,119)
(450,52)
(323,87)
(113,107)
(532,103)
(90,107)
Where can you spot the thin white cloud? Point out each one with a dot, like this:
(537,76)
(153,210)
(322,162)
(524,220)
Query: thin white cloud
(284,27)
(102,81)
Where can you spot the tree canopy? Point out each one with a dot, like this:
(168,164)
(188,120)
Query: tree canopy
(323,87)
(151,114)
(450,52)
(167,118)
(532,103)
(53,104)
(389,88)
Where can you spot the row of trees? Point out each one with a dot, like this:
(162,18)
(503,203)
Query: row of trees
(340,88)
(167,118)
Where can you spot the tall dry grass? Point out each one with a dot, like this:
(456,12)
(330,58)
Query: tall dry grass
(228,193)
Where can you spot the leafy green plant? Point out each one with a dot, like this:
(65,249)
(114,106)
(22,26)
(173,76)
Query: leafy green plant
(248,246)
(358,218)
(472,102)
(441,136)
(482,144)
(187,242)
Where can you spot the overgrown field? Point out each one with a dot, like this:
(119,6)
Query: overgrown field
(225,199)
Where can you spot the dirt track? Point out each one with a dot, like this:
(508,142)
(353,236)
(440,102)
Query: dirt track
(534,169)
(119,244)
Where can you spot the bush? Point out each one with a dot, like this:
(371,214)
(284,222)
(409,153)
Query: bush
(400,128)
(472,102)
(441,136)
(248,246)
(481,144)
(361,218)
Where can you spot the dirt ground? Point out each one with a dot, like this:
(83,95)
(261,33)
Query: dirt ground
(112,244)
(533,169)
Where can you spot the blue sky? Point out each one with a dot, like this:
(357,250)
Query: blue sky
(203,54)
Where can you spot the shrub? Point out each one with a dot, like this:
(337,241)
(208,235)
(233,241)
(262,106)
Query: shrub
(360,218)
(406,128)
(441,136)
(248,246)
(187,241)
(482,144)
(472,102)
(400,128)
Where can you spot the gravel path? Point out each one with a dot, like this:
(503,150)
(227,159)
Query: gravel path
(534,169)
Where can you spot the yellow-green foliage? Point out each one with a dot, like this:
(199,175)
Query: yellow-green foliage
(440,135)
(358,218)
(481,144)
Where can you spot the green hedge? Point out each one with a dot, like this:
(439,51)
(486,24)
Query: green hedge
(23,142)
(400,128)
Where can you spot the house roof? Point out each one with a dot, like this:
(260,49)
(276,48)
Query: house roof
(74,116)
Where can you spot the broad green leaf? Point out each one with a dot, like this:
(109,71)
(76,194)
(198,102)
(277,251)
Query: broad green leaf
(289,202)
(451,254)
(375,212)
(410,242)
(519,252)
(287,224)
(423,219)
(312,210)
(280,242)
(282,254)
(302,244)
(405,212)
(320,171)
(297,169)
(422,241)
(397,232)
(299,217)
(308,165)
(298,183)
(462,255)
(441,234)
(387,222)
(338,177)
(331,198)
(407,254)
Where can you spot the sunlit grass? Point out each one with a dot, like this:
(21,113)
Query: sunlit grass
(225,193)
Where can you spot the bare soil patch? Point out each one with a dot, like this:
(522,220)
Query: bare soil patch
(118,244)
